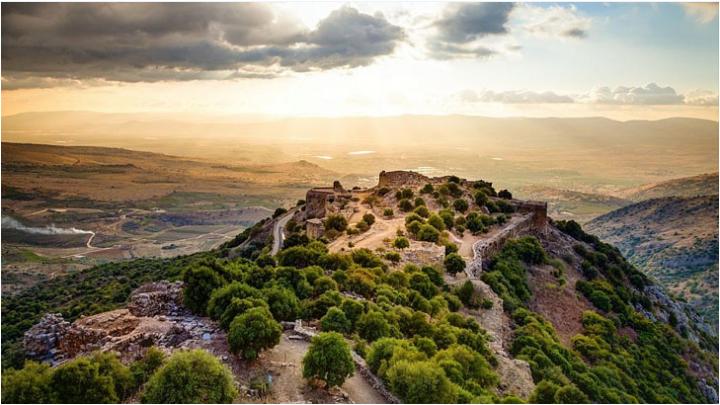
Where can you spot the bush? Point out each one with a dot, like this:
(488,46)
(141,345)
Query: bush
(570,394)
(335,321)
(394,257)
(422,211)
(454,263)
(144,368)
(283,303)
(428,233)
(99,378)
(238,306)
(419,202)
(460,205)
(544,392)
(388,212)
(352,309)
(437,222)
(252,332)
(221,298)
(421,382)
(336,222)
(369,218)
(328,359)
(29,385)
(372,326)
(504,194)
(199,284)
(405,205)
(480,198)
(194,376)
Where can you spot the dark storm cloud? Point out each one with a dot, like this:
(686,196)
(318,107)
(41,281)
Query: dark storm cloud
(133,42)
(462,23)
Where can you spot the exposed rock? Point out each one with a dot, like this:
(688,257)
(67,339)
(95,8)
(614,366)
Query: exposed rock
(400,179)
(161,298)
(41,340)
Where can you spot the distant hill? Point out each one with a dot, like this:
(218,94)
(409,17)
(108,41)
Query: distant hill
(674,239)
(704,184)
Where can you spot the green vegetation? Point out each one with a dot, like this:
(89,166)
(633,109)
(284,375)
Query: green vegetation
(328,359)
(252,332)
(194,376)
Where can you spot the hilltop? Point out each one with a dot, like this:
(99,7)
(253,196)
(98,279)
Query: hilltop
(445,289)
(674,240)
(704,184)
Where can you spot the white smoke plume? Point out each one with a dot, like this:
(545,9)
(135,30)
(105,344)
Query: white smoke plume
(12,223)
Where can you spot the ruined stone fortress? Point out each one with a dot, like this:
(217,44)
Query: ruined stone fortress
(323,201)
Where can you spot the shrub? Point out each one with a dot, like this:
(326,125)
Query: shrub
(372,326)
(405,205)
(194,376)
(335,321)
(420,382)
(422,211)
(454,263)
(252,332)
(283,303)
(394,257)
(369,218)
(99,378)
(544,392)
(427,189)
(454,190)
(238,306)
(414,227)
(388,212)
(336,222)
(570,394)
(144,368)
(199,284)
(428,233)
(419,202)
(437,222)
(504,194)
(29,385)
(460,205)
(328,359)
(221,298)
(480,198)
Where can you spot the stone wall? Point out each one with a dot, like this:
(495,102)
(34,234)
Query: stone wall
(316,201)
(400,178)
(486,248)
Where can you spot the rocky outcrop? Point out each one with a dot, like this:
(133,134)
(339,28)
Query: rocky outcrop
(161,298)
(154,317)
(41,340)
(400,179)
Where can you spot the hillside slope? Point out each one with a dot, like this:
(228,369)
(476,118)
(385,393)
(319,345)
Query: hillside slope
(674,240)
(704,184)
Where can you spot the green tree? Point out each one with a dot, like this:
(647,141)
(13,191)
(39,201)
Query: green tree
(428,233)
(372,326)
(454,263)
(481,198)
(570,394)
(252,332)
(421,382)
(96,379)
(221,297)
(29,385)
(544,392)
(504,194)
(199,284)
(401,243)
(352,309)
(238,306)
(328,359)
(144,368)
(335,321)
(437,222)
(460,205)
(284,304)
(336,222)
(422,211)
(369,218)
(405,205)
(193,376)
(388,212)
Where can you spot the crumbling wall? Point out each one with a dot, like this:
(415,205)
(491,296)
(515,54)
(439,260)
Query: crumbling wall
(316,201)
(400,178)
(486,248)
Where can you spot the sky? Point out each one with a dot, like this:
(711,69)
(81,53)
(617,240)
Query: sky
(618,60)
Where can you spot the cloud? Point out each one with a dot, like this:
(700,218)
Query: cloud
(514,97)
(652,94)
(553,21)
(701,12)
(133,42)
(701,98)
(467,22)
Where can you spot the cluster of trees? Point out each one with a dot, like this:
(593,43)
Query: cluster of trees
(185,377)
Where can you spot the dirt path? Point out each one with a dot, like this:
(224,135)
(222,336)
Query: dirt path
(288,386)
